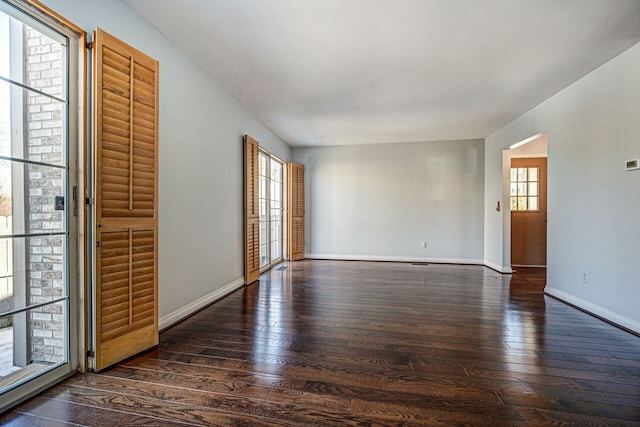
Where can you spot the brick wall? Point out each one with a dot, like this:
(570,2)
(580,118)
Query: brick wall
(44,255)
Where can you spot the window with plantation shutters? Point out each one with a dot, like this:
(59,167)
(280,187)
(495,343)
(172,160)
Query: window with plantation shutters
(296,211)
(251,211)
(126,205)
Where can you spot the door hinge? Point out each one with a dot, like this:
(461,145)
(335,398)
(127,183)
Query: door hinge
(75,200)
(98,244)
(89,45)
(91,361)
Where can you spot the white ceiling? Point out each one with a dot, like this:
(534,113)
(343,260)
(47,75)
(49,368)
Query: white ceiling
(326,72)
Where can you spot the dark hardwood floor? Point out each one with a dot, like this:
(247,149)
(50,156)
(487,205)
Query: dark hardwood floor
(359,343)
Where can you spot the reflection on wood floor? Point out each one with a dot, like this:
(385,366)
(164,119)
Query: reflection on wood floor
(360,343)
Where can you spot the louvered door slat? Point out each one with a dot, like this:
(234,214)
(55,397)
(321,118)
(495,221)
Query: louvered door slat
(127,284)
(126,86)
(251,211)
(296,211)
(128,138)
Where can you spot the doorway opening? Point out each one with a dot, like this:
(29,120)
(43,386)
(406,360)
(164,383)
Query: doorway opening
(528,202)
(271,201)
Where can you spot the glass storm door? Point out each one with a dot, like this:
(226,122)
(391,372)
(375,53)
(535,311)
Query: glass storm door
(270,179)
(36,201)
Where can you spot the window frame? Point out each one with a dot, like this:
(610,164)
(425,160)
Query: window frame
(526,182)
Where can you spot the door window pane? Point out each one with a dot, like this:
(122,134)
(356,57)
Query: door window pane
(263,165)
(262,187)
(43,129)
(263,231)
(32,342)
(523,189)
(264,254)
(33,196)
(263,209)
(275,250)
(31,269)
(522,174)
(276,191)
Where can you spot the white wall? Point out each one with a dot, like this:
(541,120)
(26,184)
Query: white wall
(383,201)
(201,128)
(593,227)
(534,148)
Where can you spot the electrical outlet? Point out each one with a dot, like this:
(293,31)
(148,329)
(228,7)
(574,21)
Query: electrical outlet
(424,245)
(585,278)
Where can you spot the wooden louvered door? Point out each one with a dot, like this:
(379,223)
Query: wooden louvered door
(296,211)
(251,211)
(126,202)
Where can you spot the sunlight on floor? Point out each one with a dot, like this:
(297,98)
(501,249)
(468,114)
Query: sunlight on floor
(6,352)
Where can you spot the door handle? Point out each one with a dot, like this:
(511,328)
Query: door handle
(58,203)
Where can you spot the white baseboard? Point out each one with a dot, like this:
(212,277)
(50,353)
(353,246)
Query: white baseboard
(609,315)
(506,269)
(342,257)
(187,310)
(469,261)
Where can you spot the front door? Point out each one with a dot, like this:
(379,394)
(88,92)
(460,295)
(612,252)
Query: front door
(528,196)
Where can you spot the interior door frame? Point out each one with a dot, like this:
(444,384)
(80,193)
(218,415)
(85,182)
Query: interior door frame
(504,208)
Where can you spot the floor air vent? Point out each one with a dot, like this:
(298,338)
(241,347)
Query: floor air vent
(419,263)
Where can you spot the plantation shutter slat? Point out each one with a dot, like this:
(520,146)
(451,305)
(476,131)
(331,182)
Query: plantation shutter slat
(296,211)
(126,205)
(251,211)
